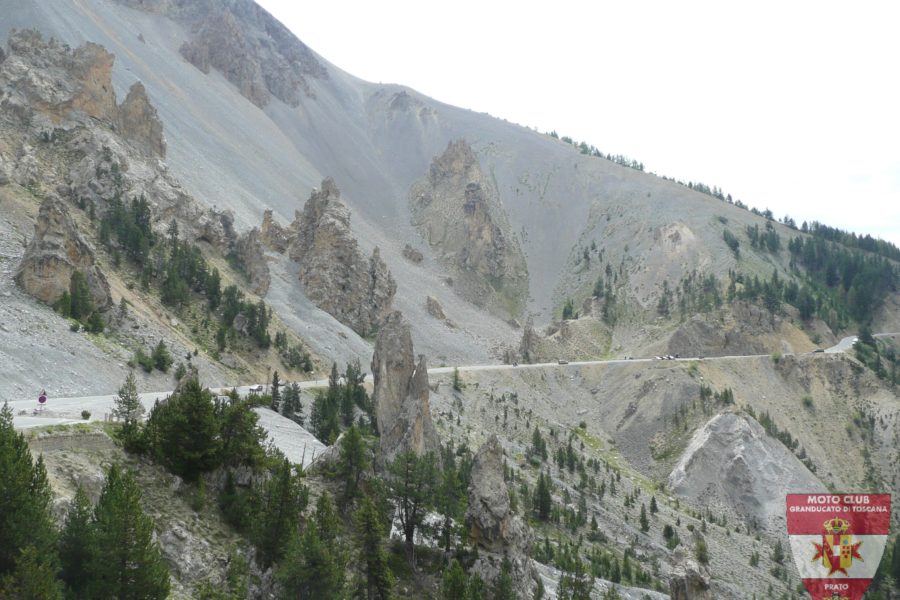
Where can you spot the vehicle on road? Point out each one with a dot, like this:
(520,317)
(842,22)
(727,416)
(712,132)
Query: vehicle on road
(256,388)
(818,350)
(562,361)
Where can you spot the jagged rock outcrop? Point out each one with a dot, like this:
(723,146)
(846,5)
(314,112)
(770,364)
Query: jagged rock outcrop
(732,464)
(272,234)
(355,291)
(689,580)
(65,82)
(139,123)
(492,526)
(56,251)
(401,393)
(245,44)
(93,151)
(249,251)
(457,210)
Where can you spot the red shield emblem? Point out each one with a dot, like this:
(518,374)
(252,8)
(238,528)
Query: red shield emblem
(837,541)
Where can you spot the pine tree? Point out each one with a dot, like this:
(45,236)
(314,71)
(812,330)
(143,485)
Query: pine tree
(701,552)
(126,563)
(654,508)
(354,461)
(475,588)
(543,502)
(80,306)
(645,523)
(370,542)
(162,360)
(25,518)
(276,392)
(282,500)
(183,432)
(412,483)
(456,382)
(32,579)
(503,585)
(453,582)
(129,409)
(240,436)
(312,566)
(76,542)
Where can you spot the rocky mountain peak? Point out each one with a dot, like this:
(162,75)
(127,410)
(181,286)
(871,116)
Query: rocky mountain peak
(56,251)
(246,45)
(401,392)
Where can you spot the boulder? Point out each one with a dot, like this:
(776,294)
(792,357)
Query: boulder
(401,393)
(434,308)
(56,251)
(412,255)
(689,580)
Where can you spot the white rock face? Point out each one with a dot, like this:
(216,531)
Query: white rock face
(731,462)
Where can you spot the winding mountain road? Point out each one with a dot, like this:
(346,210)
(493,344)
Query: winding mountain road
(292,439)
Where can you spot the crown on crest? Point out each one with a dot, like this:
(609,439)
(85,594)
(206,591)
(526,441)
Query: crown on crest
(836,525)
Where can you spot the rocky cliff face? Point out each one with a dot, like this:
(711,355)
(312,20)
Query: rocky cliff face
(53,81)
(71,139)
(493,528)
(338,278)
(457,210)
(401,393)
(56,251)
(245,44)
(731,462)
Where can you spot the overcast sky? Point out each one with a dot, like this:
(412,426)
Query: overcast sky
(787,105)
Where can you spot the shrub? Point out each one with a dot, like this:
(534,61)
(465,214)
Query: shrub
(85,414)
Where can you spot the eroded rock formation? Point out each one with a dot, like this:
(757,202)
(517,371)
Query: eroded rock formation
(356,291)
(401,393)
(139,122)
(249,251)
(492,526)
(56,251)
(458,211)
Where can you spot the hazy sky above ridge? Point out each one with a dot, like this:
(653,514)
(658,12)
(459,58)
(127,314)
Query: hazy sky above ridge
(792,106)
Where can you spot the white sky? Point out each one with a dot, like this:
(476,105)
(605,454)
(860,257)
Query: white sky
(790,105)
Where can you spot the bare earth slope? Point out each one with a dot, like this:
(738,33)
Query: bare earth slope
(376,141)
